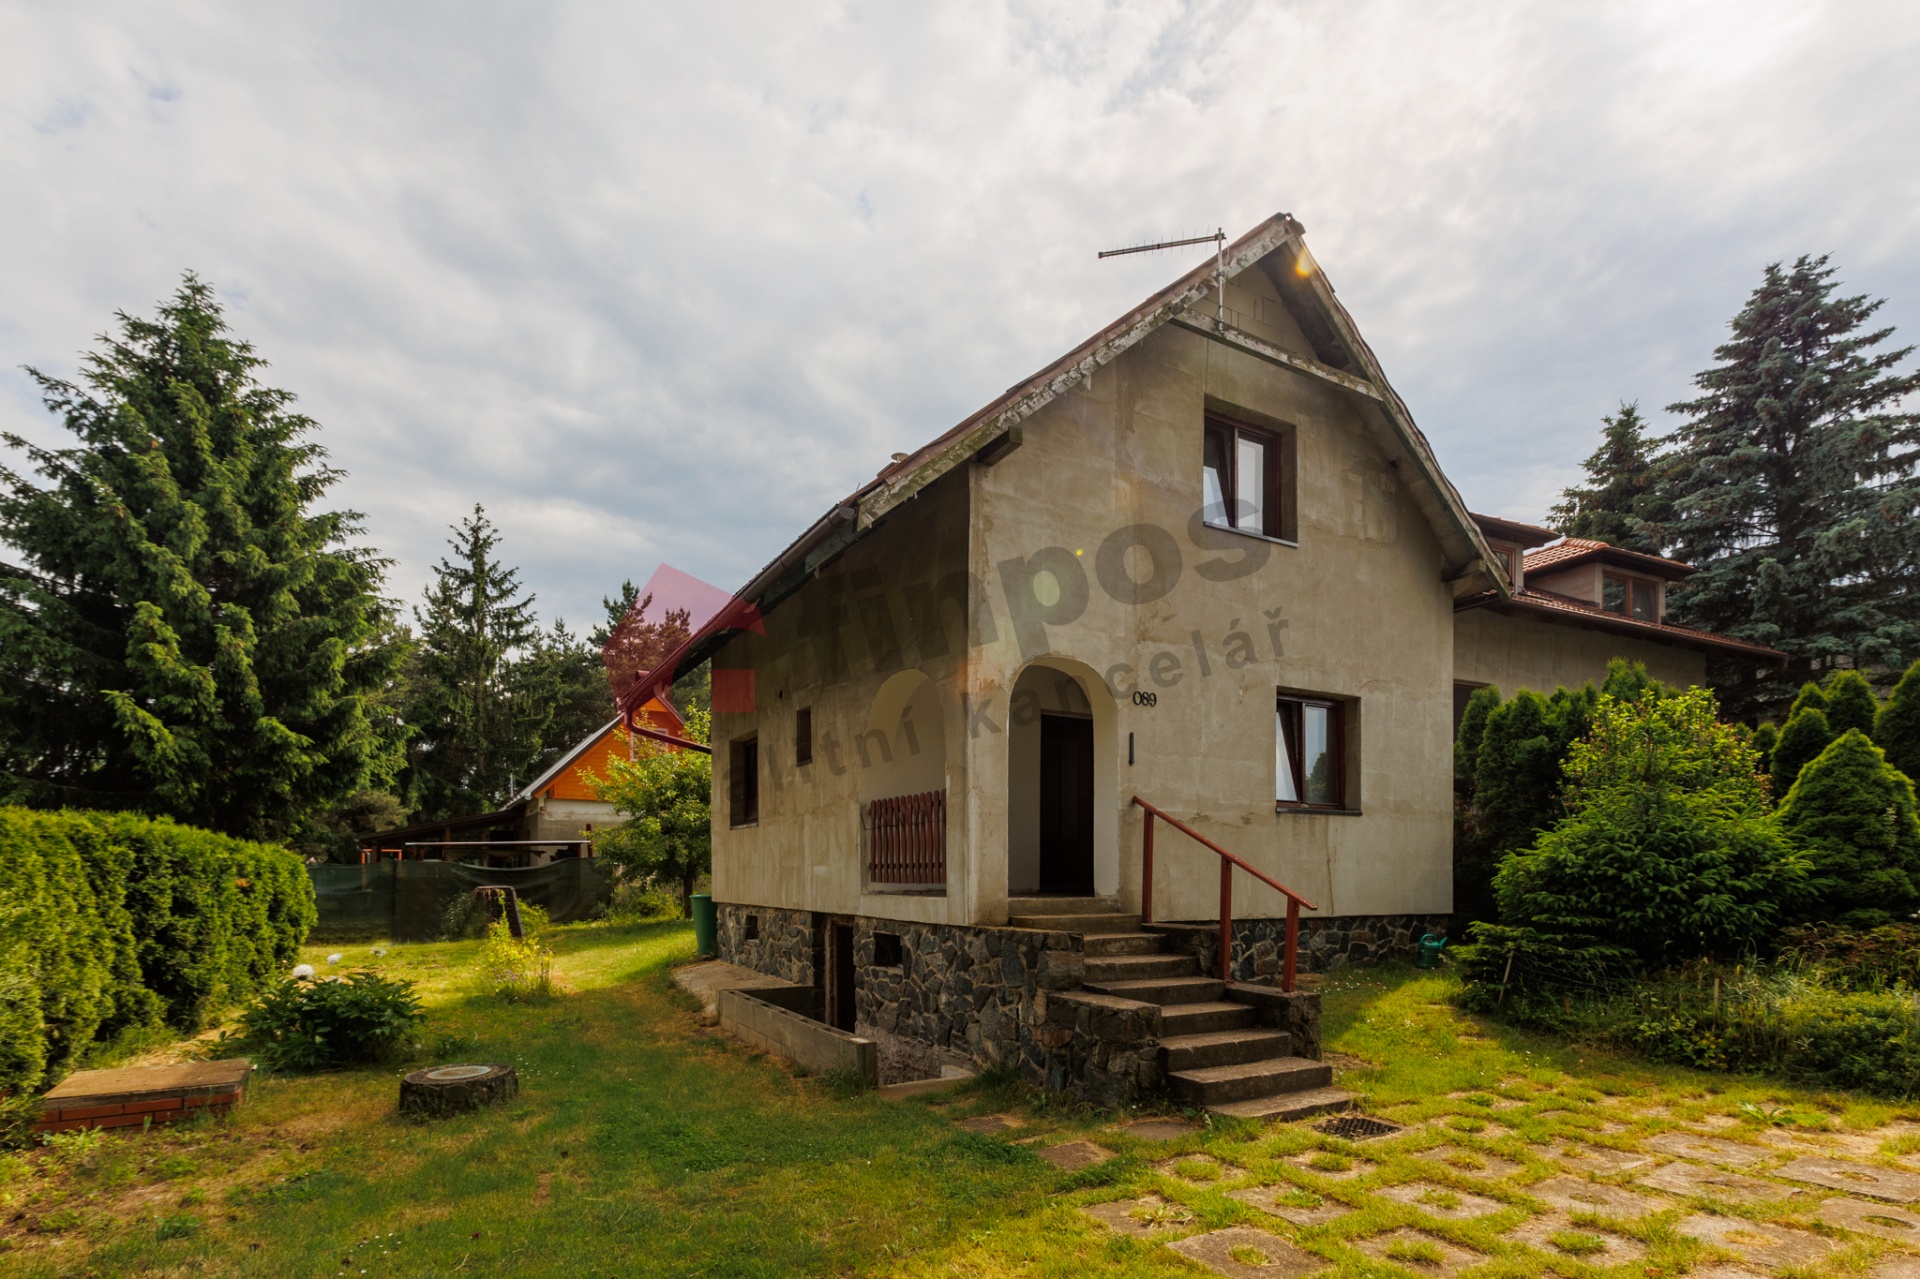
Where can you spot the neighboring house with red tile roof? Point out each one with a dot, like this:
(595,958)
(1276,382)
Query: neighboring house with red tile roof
(1576,604)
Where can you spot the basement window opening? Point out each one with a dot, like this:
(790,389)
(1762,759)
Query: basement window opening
(886,950)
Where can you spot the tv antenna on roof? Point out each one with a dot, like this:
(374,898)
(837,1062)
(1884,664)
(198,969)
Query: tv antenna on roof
(1219,242)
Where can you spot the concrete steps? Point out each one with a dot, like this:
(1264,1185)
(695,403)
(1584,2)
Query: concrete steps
(1223,1048)
(1088,922)
(1206,1018)
(1100,945)
(1138,967)
(1287,1106)
(1244,1081)
(1164,990)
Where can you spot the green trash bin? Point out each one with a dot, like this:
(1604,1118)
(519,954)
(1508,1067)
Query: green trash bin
(1428,955)
(706,925)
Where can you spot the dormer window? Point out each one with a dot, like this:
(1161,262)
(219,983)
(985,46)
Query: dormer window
(1633,597)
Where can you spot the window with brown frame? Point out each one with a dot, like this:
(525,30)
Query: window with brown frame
(743,780)
(803,735)
(1309,753)
(1630,596)
(1242,473)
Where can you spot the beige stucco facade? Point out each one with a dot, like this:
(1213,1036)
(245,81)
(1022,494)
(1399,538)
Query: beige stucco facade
(1513,653)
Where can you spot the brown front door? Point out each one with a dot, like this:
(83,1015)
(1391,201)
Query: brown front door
(840,990)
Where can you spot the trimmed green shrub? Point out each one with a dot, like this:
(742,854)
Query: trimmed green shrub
(304,1024)
(1763,740)
(1517,772)
(1668,851)
(1896,730)
(1481,703)
(110,922)
(1850,703)
(1811,698)
(1799,744)
(1853,814)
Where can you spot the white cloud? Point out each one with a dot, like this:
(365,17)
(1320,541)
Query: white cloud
(662,282)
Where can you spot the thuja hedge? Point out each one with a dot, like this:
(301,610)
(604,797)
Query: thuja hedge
(111,922)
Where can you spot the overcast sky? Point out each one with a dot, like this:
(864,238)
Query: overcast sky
(660,282)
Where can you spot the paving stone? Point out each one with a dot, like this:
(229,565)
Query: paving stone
(1072,1156)
(1141,1217)
(1768,1245)
(1863,1179)
(1712,1150)
(1694,1181)
(1468,1163)
(1159,1129)
(1271,1199)
(1572,1194)
(1439,1201)
(1242,1251)
(989,1125)
(1884,1220)
(1196,1170)
(1600,1159)
(1722,1271)
(1356,1167)
(1453,1258)
(1896,1268)
(1615,1249)
(1818,1141)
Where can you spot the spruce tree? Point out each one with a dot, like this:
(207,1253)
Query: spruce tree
(1762,741)
(480,699)
(1897,729)
(1800,743)
(1622,502)
(1853,814)
(1850,703)
(184,629)
(1794,489)
(1473,859)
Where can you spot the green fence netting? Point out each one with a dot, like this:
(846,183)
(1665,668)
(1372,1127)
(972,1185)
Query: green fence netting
(407,901)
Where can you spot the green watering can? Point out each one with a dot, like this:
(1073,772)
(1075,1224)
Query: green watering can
(1428,952)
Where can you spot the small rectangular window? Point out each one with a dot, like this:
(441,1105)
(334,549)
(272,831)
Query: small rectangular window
(743,780)
(753,928)
(1646,601)
(1613,594)
(803,736)
(1241,478)
(1309,741)
(886,950)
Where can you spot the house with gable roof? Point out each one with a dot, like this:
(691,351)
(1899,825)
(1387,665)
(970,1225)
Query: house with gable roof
(1069,738)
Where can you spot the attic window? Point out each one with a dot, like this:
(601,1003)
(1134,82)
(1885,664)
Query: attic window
(1630,596)
(1244,478)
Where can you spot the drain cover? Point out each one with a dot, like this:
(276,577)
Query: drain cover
(1356,1127)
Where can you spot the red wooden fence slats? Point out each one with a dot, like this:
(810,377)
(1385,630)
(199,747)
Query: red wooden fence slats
(907,839)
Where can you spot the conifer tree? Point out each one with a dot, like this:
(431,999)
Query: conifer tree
(1622,502)
(184,629)
(1517,772)
(1794,489)
(1853,814)
(1800,743)
(1850,703)
(480,700)
(1811,697)
(1762,742)
(1897,729)
(1481,703)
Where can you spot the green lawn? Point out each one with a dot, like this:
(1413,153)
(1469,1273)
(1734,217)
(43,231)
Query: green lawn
(643,1144)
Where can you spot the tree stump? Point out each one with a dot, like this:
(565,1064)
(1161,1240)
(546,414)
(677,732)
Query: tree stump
(438,1091)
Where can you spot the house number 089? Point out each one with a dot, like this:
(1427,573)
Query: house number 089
(1144,698)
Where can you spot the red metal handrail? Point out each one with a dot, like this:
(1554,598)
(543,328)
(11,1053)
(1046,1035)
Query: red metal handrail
(1290,960)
